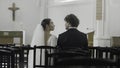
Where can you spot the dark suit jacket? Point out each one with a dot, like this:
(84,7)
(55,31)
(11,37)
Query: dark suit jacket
(72,38)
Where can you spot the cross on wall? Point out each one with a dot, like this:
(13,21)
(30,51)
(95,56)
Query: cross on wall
(13,9)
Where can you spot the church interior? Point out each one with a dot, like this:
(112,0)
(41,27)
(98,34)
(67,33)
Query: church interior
(99,20)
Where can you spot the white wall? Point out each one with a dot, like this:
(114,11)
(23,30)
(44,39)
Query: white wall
(114,17)
(83,9)
(27,17)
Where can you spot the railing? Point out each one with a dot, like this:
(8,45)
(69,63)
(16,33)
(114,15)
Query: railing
(16,55)
(107,56)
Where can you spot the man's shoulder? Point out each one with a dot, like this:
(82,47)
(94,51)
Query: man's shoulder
(63,33)
(79,32)
(82,33)
(70,31)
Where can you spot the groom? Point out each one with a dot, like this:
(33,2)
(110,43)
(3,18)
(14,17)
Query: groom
(72,38)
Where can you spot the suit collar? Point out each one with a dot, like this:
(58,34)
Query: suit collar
(72,28)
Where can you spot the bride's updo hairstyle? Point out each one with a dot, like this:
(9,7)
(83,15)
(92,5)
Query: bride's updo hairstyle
(45,22)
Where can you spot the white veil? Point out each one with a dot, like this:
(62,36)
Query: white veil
(38,36)
(38,40)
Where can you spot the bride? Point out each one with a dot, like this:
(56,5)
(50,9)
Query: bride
(41,37)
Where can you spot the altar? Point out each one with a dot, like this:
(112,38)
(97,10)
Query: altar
(115,41)
(90,38)
(12,37)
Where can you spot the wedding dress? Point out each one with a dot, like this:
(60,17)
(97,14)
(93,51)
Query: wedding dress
(38,40)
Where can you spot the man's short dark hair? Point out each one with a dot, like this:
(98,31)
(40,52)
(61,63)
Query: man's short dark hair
(72,19)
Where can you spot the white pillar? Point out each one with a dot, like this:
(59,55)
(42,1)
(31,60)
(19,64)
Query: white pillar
(102,37)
